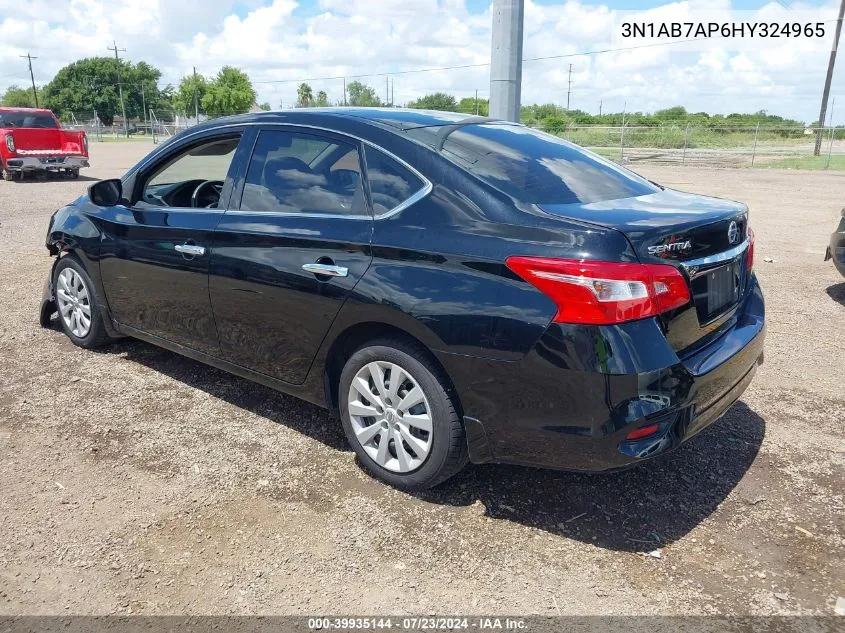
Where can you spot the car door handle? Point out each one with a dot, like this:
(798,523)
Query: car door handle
(190,249)
(329,270)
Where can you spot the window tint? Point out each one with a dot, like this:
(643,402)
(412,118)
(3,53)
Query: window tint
(292,172)
(536,167)
(173,183)
(390,182)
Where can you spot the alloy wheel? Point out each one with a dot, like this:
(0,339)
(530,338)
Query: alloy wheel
(390,416)
(74,302)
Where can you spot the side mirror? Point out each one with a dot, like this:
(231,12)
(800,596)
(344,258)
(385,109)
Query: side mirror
(106,193)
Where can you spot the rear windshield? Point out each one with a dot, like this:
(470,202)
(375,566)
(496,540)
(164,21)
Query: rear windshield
(26,119)
(539,168)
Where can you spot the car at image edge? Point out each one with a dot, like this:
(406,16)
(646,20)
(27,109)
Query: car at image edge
(836,250)
(458,288)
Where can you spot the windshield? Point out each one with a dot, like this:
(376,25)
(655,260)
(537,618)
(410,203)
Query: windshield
(27,119)
(538,168)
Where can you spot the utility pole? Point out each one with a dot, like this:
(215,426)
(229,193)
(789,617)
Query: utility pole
(120,85)
(392,93)
(600,103)
(569,87)
(506,59)
(344,91)
(196,99)
(828,79)
(29,59)
(144,105)
(386,90)
(476,102)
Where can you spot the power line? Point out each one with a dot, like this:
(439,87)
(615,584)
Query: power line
(464,66)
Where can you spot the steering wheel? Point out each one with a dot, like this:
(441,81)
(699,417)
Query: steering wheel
(213,185)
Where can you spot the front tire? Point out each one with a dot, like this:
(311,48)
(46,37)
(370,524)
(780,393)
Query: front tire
(78,304)
(400,415)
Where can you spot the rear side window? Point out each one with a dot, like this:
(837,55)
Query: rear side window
(391,183)
(293,172)
(539,168)
(27,119)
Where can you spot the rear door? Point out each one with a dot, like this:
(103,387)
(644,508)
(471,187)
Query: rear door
(157,247)
(295,242)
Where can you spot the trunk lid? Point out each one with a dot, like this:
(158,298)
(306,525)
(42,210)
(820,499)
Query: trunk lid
(667,226)
(703,237)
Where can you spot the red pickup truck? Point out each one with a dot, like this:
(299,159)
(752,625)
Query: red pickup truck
(33,142)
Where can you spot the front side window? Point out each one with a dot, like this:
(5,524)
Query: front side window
(192,178)
(391,183)
(294,172)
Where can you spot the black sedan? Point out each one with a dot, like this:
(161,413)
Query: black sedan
(459,289)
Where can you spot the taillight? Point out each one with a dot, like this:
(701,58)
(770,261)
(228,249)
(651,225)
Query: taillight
(85,142)
(749,259)
(10,143)
(603,292)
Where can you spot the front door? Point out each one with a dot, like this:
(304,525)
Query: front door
(286,255)
(156,249)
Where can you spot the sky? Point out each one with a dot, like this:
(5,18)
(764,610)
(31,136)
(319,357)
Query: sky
(281,42)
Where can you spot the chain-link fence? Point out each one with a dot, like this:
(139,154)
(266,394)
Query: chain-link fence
(687,144)
(673,144)
(156,126)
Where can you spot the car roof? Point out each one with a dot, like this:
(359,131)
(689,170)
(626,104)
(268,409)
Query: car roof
(397,119)
(33,110)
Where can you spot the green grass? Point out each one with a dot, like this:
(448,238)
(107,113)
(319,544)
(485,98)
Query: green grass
(837,161)
(672,137)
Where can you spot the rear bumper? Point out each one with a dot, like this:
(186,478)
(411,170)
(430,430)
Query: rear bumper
(571,402)
(48,163)
(836,250)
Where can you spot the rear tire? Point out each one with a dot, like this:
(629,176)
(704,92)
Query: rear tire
(78,305)
(400,415)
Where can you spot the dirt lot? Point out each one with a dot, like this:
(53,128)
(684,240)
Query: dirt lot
(135,480)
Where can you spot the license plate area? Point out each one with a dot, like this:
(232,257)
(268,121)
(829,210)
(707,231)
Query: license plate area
(716,290)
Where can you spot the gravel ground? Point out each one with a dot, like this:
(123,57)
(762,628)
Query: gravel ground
(138,481)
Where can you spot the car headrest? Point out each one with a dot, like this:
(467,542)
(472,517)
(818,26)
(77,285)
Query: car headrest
(286,172)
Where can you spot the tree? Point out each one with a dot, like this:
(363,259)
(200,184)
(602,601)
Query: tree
(143,76)
(436,101)
(362,95)
(304,96)
(468,105)
(322,99)
(91,85)
(17,97)
(265,106)
(183,98)
(230,92)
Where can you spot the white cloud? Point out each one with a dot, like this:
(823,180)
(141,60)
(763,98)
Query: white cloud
(290,40)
